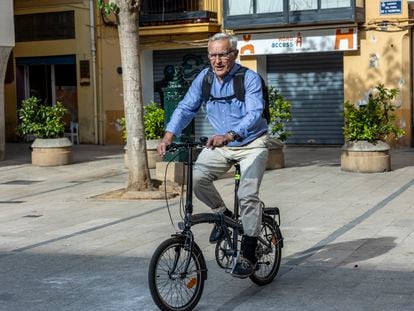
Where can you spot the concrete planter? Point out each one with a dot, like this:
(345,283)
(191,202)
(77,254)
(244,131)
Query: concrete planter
(366,157)
(52,152)
(152,154)
(276,157)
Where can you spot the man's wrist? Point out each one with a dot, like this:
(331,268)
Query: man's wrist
(168,137)
(232,135)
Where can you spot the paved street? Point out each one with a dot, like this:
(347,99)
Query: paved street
(349,238)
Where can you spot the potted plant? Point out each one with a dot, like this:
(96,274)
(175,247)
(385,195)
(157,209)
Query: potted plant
(280,112)
(154,129)
(367,129)
(45,123)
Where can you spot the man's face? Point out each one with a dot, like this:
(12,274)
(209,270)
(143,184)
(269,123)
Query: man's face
(222,57)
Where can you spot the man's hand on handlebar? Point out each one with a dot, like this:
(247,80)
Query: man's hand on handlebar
(166,141)
(218,141)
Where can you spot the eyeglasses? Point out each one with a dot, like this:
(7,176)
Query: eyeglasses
(220,55)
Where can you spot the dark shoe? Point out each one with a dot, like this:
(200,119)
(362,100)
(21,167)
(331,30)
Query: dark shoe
(248,248)
(216,234)
(243,268)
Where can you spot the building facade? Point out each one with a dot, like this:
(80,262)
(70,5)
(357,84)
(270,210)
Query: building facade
(318,53)
(53,60)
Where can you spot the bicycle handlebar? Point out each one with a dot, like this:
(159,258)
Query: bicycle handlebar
(189,144)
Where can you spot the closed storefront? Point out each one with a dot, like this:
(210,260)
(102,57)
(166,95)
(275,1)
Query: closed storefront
(313,83)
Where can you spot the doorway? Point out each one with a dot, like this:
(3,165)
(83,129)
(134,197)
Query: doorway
(50,79)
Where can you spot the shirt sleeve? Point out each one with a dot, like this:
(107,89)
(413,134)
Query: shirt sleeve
(253,99)
(187,107)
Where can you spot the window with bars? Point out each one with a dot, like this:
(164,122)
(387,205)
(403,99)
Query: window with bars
(45,26)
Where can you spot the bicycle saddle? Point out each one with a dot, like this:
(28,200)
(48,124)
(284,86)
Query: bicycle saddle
(234,162)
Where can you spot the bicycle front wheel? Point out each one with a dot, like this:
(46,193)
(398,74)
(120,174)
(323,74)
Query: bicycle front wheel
(172,286)
(268,252)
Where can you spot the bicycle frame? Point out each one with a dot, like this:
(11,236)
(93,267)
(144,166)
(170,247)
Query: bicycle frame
(225,222)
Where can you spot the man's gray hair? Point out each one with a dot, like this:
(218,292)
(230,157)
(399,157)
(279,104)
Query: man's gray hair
(224,36)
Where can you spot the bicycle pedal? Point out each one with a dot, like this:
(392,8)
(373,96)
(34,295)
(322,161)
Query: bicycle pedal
(228,269)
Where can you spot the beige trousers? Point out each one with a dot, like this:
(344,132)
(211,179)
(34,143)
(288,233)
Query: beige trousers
(212,163)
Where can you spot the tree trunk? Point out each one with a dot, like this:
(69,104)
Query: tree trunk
(139,175)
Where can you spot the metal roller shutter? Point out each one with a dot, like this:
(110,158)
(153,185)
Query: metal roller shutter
(313,83)
(194,60)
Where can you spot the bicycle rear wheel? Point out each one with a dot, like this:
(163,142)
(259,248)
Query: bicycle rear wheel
(171,287)
(268,252)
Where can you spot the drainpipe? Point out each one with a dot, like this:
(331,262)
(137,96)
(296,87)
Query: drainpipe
(93,53)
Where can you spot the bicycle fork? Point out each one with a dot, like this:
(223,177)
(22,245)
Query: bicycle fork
(188,246)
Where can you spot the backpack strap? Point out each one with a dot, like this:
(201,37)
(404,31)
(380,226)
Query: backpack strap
(266,99)
(238,83)
(207,85)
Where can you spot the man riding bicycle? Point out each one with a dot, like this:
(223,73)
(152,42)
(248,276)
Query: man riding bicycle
(241,135)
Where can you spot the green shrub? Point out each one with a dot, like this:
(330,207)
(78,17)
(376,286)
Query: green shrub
(280,112)
(153,122)
(122,124)
(373,121)
(40,120)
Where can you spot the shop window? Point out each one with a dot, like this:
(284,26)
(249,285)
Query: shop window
(247,7)
(303,5)
(333,4)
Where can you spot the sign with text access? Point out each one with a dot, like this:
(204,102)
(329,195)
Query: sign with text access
(300,41)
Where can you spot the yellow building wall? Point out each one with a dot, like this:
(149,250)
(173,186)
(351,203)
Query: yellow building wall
(382,57)
(80,47)
(110,84)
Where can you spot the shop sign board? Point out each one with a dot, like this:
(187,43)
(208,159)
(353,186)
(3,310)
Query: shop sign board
(299,41)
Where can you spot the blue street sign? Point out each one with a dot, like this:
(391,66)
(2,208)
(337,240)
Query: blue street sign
(390,7)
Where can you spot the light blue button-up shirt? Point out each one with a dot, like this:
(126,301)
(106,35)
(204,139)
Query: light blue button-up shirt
(245,118)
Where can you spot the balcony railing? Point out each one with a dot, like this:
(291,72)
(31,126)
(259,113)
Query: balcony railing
(165,12)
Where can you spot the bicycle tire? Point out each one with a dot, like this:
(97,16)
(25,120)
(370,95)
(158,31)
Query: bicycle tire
(268,258)
(169,290)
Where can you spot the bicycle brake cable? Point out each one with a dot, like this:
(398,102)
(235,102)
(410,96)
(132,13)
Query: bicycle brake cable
(165,189)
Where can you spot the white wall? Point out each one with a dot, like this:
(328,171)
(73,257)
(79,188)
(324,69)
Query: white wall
(6,23)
